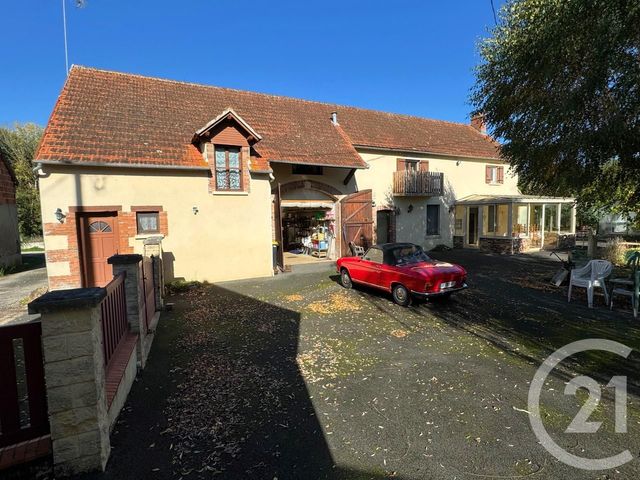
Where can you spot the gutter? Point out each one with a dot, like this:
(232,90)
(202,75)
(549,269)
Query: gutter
(297,162)
(151,166)
(120,165)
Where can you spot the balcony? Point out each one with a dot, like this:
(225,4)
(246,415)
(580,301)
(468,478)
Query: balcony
(410,183)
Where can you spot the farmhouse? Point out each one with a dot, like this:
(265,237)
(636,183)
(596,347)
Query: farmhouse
(9,236)
(237,182)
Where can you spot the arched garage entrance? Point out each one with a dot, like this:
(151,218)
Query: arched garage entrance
(315,222)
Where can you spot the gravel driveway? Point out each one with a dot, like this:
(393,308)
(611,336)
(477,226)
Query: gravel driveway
(295,377)
(15,288)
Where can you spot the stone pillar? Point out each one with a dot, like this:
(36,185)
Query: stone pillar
(75,378)
(130,265)
(153,248)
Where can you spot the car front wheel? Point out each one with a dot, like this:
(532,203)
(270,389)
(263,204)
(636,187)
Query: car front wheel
(345,278)
(401,295)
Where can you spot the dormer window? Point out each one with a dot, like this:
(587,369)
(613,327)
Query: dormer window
(228,168)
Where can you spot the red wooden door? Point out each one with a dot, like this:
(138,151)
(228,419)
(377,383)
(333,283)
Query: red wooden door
(356,218)
(99,242)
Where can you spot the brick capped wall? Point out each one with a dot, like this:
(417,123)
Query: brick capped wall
(7,187)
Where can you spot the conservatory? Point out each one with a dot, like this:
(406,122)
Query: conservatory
(514,223)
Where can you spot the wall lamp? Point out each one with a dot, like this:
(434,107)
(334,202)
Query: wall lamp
(60,216)
(194,210)
(410,209)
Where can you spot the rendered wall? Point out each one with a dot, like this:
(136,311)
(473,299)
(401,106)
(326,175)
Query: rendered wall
(462,177)
(228,238)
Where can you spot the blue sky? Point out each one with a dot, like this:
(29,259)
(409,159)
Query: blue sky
(413,57)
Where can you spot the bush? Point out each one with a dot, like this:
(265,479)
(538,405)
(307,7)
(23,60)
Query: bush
(615,252)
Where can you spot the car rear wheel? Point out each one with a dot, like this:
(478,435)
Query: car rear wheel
(401,295)
(345,278)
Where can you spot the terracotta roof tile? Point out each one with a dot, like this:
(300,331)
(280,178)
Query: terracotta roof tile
(109,117)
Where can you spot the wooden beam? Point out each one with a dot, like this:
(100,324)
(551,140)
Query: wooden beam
(349,176)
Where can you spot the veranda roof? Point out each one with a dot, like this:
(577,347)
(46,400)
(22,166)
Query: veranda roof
(492,199)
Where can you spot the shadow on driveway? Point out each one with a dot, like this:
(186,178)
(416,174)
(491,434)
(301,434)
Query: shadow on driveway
(223,395)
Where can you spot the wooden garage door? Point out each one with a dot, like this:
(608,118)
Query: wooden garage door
(99,242)
(356,214)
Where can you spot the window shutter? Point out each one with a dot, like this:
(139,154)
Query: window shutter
(424,165)
(400,165)
(487,174)
(500,174)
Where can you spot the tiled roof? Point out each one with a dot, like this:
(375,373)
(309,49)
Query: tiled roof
(109,117)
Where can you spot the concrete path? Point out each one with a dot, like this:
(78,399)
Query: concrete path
(15,289)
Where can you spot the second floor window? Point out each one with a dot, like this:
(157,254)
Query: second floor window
(228,168)
(494,174)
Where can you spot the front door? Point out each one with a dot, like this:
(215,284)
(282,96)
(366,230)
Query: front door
(383,226)
(99,241)
(473,226)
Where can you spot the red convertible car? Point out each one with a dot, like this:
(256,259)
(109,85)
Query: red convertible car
(405,270)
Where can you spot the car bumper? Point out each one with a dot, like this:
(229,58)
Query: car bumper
(440,293)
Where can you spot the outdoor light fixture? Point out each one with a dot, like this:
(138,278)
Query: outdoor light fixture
(195,210)
(410,209)
(60,216)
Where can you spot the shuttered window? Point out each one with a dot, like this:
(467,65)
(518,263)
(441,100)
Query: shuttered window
(494,174)
(404,164)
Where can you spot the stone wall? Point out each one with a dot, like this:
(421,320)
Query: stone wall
(458,241)
(496,245)
(84,395)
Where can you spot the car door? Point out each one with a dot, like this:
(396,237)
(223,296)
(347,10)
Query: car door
(372,266)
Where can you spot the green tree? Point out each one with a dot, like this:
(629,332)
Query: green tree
(559,84)
(19,146)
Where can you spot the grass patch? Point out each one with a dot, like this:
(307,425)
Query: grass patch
(181,285)
(33,249)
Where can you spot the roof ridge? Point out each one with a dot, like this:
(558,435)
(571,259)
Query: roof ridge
(273,95)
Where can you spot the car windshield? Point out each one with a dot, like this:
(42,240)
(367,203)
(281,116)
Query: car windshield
(409,255)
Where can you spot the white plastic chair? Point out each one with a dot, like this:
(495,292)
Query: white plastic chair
(590,276)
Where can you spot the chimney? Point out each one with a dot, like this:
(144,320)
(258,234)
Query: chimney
(334,118)
(477,122)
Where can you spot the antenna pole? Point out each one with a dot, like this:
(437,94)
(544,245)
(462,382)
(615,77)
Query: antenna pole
(64,24)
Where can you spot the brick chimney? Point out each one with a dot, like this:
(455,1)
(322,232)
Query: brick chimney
(477,122)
